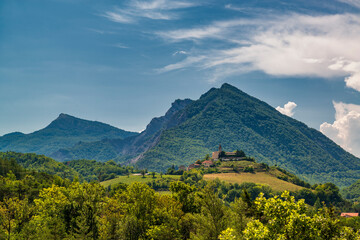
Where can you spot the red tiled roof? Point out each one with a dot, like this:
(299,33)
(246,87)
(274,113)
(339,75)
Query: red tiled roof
(207,161)
(349,214)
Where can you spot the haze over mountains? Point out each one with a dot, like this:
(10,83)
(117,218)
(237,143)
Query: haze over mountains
(190,129)
(65,131)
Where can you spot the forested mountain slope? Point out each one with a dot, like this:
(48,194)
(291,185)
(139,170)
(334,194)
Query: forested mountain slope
(63,132)
(232,118)
(129,148)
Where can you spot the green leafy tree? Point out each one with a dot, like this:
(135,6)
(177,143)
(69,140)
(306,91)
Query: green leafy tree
(143,173)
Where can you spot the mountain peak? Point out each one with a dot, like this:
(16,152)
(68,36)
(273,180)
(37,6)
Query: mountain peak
(63,115)
(226,85)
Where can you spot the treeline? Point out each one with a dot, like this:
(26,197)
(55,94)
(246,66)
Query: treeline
(91,170)
(88,211)
(41,206)
(40,163)
(318,194)
(85,170)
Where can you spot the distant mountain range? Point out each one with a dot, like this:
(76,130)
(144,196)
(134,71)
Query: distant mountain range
(63,132)
(190,129)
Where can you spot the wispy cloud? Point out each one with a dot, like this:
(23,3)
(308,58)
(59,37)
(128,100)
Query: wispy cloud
(118,17)
(100,31)
(180,52)
(161,4)
(119,45)
(292,45)
(355,3)
(153,9)
(288,109)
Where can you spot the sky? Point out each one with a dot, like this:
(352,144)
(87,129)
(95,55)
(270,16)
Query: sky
(124,62)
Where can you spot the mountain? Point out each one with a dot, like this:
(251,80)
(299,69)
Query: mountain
(63,132)
(239,121)
(129,148)
(232,118)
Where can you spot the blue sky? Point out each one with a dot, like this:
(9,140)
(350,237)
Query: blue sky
(124,62)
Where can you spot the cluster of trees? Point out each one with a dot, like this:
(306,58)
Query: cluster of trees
(352,192)
(172,171)
(40,163)
(85,170)
(42,206)
(91,170)
(88,211)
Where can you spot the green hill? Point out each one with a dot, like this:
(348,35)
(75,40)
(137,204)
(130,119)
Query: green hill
(352,192)
(40,163)
(239,121)
(92,170)
(124,150)
(63,132)
(232,118)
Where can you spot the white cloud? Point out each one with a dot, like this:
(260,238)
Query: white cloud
(153,9)
(117,17)
(293,45)
(181,52)
(287,109)
(187,62)
(345,130)
(161,4)
(355,3)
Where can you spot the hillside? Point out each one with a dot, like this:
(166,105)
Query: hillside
(352,192)
(239,121)
(129,148)
(258,178)
(40,163)
(63,132)
(91,170)
(232,118)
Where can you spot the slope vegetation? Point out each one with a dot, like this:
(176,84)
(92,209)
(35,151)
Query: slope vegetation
(63,132)
(239,121)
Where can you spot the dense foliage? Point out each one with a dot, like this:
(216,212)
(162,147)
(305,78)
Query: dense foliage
(40,163)
(99,171)
(239,121)
(16,181)
(63,132)
(41,206)
(352,192)
(88,211)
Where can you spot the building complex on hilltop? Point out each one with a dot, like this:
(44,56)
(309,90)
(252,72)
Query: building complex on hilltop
(228,156)
(219,155)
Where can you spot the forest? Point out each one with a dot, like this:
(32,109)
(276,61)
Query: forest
(43,206)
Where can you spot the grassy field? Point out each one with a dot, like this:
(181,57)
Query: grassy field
(259,177)
(135,178)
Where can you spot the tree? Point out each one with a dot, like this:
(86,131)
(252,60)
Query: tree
(284,218)
(14,215)
(213,218)
(185,194)
(240,153)
(153,174)
(143,173)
